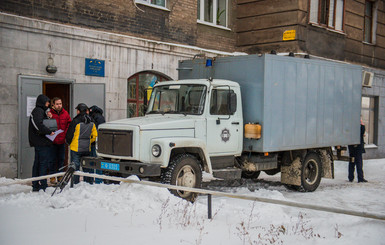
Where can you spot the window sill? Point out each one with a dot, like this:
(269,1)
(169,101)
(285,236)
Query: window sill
(371,44)
(371,146)
(212,25)
(326,28)
(153,6)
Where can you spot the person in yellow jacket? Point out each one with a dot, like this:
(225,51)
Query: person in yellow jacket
(81,133)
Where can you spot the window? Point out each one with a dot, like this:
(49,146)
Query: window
(187,99)
(159,3)
(219,104)
(329,13)
(369,117)
(213,12)
(368,22)
(135,91)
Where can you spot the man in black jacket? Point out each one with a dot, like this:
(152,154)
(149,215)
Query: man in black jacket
(355,153)
(97,117)
(43,146)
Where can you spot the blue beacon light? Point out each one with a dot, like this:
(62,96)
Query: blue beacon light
(209,62)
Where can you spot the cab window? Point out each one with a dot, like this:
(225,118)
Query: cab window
(219,102)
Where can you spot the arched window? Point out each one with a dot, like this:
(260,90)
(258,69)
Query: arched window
(135,90)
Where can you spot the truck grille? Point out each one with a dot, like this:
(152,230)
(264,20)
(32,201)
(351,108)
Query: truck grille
(115,142)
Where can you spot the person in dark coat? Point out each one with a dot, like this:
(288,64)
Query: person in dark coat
(43,146)
(96,114)
(81,133)
(355,153)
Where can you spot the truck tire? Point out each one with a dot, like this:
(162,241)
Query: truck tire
(272,171)
(183,170)
(311,172)
(250,174)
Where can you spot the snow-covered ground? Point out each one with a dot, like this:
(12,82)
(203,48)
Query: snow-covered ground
(137,214)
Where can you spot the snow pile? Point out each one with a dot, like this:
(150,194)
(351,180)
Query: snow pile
(138,214)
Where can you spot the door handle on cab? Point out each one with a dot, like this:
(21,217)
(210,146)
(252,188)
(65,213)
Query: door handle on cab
(235,123)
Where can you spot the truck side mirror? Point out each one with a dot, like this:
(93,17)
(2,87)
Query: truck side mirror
(232,99)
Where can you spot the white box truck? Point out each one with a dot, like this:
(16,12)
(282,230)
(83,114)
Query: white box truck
(233,117)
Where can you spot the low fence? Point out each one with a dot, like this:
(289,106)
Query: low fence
(214,193)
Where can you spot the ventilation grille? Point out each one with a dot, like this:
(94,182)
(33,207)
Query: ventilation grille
(367,79)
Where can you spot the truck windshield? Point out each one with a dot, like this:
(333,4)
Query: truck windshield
(183,99)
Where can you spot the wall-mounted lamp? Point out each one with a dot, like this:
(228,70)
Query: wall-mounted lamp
(50,68)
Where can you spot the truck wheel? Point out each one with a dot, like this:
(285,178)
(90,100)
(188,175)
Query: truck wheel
(250,174)
(272,171)
(183,170)
(311,172)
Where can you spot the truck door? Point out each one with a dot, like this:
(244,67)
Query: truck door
(223,128)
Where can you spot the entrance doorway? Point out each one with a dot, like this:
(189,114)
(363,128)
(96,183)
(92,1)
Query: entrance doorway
(62,91)
(29,87)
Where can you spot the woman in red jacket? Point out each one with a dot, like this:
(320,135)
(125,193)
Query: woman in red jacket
(63,120)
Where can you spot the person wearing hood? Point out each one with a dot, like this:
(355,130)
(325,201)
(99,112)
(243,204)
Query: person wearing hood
(96,114)
(43,146)
(81,133)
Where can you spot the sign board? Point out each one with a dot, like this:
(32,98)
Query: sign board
(31,104)
(94,67)
(288,35)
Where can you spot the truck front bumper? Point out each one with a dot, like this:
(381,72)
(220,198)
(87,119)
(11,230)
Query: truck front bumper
(126,167)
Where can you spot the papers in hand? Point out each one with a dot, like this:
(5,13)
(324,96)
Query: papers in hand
(56,133)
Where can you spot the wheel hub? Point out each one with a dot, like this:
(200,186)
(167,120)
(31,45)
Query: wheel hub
(311,172)
(187,178)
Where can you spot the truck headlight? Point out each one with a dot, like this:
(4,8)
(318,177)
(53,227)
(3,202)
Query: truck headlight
(156,150)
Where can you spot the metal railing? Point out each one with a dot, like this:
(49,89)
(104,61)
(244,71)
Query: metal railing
(362,214)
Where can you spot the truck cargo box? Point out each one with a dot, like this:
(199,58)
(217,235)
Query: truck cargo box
(300,103)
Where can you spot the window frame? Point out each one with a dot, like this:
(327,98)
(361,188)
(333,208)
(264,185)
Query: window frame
(148,3)
(201,12)
(139,102)
(371,123)
(214,92)
(327,25)
(371,22)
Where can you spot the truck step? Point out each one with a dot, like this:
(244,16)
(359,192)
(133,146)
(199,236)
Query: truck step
(227,173)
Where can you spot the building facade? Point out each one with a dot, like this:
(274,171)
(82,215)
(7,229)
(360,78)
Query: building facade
(350,31)
(140,41)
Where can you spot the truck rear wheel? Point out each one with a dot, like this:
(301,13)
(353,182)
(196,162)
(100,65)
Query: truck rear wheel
(183,170)
(311,172)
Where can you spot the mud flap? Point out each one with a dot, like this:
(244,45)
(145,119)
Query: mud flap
(327,164)
(291,174)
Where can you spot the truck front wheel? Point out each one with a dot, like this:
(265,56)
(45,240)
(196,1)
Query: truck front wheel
(311,172)
(183,170)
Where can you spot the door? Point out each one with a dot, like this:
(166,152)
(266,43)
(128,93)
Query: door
(223,128)
(29,89)
(89,94)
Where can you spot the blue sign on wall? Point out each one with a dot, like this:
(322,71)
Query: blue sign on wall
(94,67)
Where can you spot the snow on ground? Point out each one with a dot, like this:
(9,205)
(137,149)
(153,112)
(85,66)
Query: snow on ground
(137,214)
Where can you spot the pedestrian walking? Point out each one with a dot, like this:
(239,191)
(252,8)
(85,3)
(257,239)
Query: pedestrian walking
(37,132)
(63,120)
(81,133)
(355,153)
